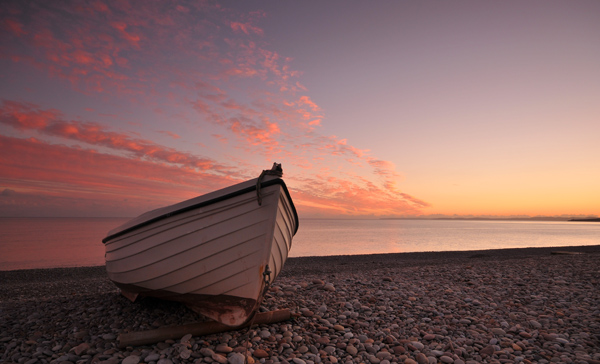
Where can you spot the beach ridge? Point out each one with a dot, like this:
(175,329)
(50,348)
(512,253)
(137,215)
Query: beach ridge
(491,306)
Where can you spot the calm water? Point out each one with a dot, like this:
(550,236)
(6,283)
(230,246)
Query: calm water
(67,242)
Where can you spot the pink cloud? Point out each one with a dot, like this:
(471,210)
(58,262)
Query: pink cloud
(114,46)
(170,133)
(246,28)
(307,101)
(63,175)
(133,39)
(332,196)
(340,147)
(182,56)
(14,27)
(25,116)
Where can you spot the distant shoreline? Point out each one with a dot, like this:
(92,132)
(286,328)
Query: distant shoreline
(542,218)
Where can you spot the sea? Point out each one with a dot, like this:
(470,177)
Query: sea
(28,243)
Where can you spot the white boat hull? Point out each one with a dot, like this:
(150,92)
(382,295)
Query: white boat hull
(210,255)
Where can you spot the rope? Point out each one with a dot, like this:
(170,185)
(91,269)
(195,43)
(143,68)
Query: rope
(276,170)
(266,285)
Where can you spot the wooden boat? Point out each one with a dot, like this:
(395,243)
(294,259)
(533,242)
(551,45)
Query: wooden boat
(216,253)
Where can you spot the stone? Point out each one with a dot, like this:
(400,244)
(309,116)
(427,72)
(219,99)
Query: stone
(525,334)
(498,331)
(383,355)
(446,359)
(487,351)
(207,352)
(223,349)
(421,358)
(264,334)
(329,350)
(260,353)
(373,359)
(152,357)
(399,350)
(323,340)
(219,358)
(235,358)
(81,348)
(417,345)
(131,359)
(185,353)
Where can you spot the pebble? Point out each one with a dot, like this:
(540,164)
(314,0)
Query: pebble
(421,358)
(152,357)
(235,358)
(186,353)
(352,350)
(494,311)
(417,345)
(498,331)
(446,359)
(131,359)
(219,358)
(223,349)
(260,353)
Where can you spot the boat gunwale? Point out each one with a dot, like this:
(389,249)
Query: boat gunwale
(277,181)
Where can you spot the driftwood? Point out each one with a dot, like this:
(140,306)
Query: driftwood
(565,253)
(199,329)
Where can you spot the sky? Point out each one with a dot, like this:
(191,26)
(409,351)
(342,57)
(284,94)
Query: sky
(374,109)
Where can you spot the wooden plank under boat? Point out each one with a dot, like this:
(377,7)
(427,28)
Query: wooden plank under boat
(215,253)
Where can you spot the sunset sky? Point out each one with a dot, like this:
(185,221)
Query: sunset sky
(374,109)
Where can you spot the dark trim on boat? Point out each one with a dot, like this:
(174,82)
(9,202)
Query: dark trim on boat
(209,202)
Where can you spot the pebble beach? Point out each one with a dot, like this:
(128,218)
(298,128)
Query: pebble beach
(492,306)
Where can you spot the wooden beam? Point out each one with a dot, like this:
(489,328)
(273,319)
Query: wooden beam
(200,329)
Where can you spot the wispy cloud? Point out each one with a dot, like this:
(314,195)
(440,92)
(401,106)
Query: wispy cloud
(199,66)
(26,116)
(246,28)
(31,167)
